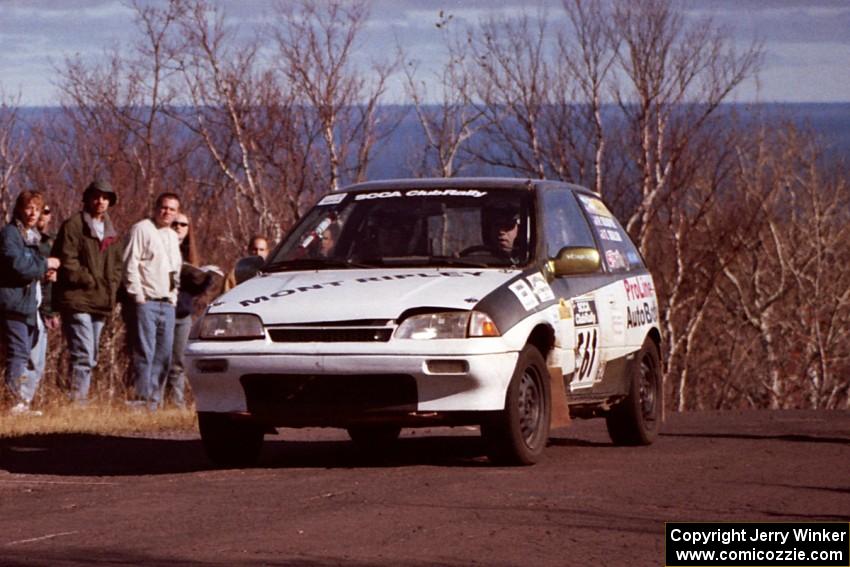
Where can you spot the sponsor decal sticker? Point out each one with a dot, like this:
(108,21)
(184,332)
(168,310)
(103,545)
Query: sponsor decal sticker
(595,206)
(446,193)
(378,195)
(614,259)
(609,234)
(639,288)
(645,313)
(584,312)
(420,193)
(541,287)
(586,348)
(333,199)
(642,308)
(523,292)
(604,221)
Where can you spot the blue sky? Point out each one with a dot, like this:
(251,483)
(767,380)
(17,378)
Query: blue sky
(807,42)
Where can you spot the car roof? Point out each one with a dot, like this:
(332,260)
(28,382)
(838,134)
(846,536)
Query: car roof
(464,183)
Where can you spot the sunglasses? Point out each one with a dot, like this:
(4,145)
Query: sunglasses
(175,224)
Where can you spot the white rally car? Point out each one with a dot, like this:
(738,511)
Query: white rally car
(504,303)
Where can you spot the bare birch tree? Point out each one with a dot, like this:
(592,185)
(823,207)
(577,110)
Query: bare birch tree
(316,44)
(757,278)
(587,53)
(674,75)
(445,111)
(13,151)
(512,91)
(244,121)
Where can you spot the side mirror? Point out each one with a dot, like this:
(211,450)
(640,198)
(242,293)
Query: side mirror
(575,260)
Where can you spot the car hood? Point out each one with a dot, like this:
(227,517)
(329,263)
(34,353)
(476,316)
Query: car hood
(345,295)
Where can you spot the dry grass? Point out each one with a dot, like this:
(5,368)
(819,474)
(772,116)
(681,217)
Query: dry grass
(99,418)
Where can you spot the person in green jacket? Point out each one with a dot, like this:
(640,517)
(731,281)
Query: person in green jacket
(90,251)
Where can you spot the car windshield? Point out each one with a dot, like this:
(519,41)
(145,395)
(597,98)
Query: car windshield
(412,227)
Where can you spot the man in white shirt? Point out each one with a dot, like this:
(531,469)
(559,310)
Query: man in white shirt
(151,274)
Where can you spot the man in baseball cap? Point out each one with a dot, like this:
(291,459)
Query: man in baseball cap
(90,249)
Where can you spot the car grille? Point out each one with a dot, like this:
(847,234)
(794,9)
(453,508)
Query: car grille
(360,331)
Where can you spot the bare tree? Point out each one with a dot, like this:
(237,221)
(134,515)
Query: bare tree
(446,112)
(816,321)
(316,42)
(244,121)
(14,148)
(757,279)
(512,91)
(587,53)
(114,121)
(675,74)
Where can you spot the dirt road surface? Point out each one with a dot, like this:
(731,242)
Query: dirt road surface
(315,500)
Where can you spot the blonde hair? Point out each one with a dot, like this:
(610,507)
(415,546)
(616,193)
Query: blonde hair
(23,201)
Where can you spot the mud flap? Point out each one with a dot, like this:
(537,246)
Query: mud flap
(560,416)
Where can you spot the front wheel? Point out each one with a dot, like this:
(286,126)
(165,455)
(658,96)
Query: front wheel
(518,434)
(637,419)
(230,442)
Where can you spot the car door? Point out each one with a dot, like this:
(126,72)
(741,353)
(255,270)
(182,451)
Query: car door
(627,283)
(582,311)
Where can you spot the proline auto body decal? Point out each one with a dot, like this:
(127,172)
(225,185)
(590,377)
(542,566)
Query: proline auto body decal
(641,306)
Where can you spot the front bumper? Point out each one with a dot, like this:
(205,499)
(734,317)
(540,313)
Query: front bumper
(335,389)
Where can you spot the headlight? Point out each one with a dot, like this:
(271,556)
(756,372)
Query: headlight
(447,325)
(230,326)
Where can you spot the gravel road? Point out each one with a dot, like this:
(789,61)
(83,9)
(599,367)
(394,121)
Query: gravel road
(315,500)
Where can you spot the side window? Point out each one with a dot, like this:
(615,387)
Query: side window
(563,223)
(618,252)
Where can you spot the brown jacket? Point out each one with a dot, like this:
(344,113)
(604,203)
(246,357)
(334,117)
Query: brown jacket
(91,269)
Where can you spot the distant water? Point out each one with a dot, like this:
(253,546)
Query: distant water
(829,121)
(397,156)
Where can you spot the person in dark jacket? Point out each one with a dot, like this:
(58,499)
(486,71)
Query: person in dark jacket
(90,251)
(22,267)
(47,318)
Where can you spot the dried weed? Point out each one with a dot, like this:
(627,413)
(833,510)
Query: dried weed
(98,418)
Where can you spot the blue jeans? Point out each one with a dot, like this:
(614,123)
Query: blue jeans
(153,341)
(82,330)
(21,380)
(177,371)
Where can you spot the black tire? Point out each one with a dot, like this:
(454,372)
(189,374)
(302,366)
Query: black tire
(518,434)
(230,442)
(637,419)
(374,437)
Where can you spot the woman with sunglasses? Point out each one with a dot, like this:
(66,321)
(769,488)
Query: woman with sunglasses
(193,283)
